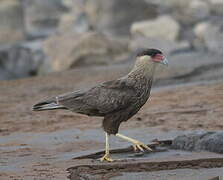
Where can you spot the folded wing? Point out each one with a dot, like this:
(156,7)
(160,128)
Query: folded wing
(100,100)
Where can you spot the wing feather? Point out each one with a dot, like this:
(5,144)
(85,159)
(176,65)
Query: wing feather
(100,100)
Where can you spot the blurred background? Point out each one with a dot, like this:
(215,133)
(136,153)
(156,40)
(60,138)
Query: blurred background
(38,37)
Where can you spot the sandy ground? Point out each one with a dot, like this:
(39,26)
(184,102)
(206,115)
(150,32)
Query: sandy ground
(40,145)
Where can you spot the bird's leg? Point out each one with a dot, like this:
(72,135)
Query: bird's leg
(137,145)
(107,157)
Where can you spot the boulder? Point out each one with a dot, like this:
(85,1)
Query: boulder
(42,16)
(11,18)
(216,6)
(76,20)
(208,36)
(115,17)
(21,60)
(186,12)
(200,141)
(192,12)
(198,10)
(71,50)
(164,27)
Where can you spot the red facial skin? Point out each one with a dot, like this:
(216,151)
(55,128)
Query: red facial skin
(158,58)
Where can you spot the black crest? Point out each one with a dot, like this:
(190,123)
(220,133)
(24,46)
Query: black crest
(148,52)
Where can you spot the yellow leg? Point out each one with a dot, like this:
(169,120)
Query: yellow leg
(137,145)
(107,157)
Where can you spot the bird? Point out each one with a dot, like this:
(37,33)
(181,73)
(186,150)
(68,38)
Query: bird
(116,100)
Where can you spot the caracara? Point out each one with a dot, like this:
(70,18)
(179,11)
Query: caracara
(116,100)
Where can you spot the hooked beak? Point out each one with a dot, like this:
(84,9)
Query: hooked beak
(165,62)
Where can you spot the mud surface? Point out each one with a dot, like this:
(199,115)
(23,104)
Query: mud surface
(182,174)
(149,166)
(41,145)
(167,159)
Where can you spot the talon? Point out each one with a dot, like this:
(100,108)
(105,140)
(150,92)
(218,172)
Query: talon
(107,158)
(147,147)
(138,146)
(134,148)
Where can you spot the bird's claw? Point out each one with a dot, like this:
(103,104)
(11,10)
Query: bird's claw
(107,158)
(139,146)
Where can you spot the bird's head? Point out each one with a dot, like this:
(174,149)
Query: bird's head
(152,55)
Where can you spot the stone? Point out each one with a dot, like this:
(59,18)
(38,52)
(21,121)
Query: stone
(200,141)
(78,23)
(42,16)
(213,143)
(192,12)
(198,10)
(187,12)
(189,141)
(70,50)
(164,27)
(11,18)
(208,36)
(170,3)
(216,6)
(21,60)
(76,20)
(115,17)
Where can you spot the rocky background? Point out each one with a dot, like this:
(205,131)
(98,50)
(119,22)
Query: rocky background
(42,36)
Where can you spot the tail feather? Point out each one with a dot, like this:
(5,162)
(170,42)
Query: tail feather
(47,105)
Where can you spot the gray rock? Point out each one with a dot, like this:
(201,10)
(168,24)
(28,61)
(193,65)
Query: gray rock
(170,3)
(70,50)
(42,16)
(164,27)
(200,141)
(193,12)
(78,23)
(189,142)
(186,12)
(216,6)
(11,18)
(213,143)
(115,17)
(76,20)
(21,60)
(208,36)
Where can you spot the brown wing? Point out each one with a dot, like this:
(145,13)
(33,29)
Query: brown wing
(105,98)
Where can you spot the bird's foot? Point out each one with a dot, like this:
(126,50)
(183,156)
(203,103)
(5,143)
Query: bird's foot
(107,158)
(139,146)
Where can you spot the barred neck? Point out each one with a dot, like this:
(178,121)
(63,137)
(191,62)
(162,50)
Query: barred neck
(144,67)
